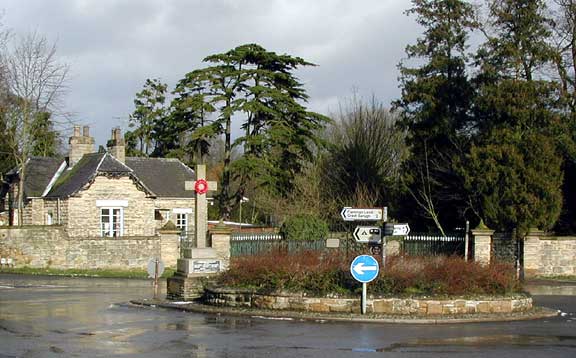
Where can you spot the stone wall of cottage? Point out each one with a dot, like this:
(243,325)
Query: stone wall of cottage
(84,215)
(50,246)
(175,203)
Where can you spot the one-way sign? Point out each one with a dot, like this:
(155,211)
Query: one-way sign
(396,229)
(371,234)
(364,214)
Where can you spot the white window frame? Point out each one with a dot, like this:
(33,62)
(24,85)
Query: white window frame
(111,231)
(182,222)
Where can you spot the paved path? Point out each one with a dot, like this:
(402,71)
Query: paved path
(42,317)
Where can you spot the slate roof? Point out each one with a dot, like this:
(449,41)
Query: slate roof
(160,177)
(165,177)
(73,179)
(39,172)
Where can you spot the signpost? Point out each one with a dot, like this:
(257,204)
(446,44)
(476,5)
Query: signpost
(364,268)
(396,229)
(371,234)
(155,269)
(374,236)
(364,214)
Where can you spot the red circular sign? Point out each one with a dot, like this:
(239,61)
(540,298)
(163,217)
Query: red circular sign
(201,186)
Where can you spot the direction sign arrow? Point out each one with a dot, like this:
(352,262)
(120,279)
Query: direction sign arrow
(363,214)
(396,229)
(360,268)
(368,234)
(364,268)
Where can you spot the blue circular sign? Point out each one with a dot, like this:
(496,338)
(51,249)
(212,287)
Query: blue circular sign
(364,268)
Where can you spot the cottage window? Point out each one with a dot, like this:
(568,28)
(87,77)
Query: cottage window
(162,215)
(50,218)
(111,222)
(182,222)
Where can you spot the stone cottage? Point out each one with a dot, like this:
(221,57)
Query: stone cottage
(105,196)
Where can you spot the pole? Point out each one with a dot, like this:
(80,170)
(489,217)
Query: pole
(363,297)
(383,251)
(466,240)
(156,269)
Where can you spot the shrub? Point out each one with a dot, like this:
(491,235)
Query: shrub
(317,274)
(304,227)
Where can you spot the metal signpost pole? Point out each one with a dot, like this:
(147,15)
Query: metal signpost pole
(156,269)
(383,252)
(363,297)
(466,240)
(364,268)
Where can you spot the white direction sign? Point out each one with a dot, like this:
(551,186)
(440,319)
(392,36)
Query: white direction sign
(396,229)
(363,214)
(368,234)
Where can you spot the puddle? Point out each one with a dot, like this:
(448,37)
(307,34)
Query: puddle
(542,290)
(485,341)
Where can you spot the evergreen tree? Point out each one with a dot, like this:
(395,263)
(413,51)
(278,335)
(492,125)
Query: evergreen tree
(513,171)
(434,107)
(148,117)
(257,86)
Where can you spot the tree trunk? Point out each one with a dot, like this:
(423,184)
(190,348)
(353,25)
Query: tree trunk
(20,197)
(225,207)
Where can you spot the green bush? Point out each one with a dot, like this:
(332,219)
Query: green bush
(320,275)
(304,227)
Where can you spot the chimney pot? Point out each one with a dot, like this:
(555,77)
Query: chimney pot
(76,131)
(86,131)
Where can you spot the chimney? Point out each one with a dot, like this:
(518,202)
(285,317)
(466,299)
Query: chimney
(80,145)
(116,145)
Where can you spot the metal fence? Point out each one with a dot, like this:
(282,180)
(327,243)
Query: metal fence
(247,244)
(418,244)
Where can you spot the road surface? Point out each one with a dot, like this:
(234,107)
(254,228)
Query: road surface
(79,317)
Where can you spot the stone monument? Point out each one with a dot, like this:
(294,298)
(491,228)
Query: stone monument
(203,260)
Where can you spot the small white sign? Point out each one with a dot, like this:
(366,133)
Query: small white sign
(155,268)
(396,229)
(363,214)
(371,234)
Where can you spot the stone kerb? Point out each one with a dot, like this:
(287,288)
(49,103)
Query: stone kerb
(392,306)
(482,245)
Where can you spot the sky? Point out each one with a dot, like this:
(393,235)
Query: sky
(113,46)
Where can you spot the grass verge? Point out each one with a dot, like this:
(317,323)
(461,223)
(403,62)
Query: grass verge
(104,273)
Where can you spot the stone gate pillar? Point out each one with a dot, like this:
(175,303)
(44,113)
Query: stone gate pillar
(220,237)
(532,252)
(169,245)
(482,244)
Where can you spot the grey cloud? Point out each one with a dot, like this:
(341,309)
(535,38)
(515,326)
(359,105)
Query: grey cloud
(113,46)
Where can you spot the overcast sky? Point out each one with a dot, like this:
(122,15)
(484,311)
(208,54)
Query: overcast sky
(113,46)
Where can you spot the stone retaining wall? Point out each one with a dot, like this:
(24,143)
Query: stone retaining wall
(50,246)
(549,255)
(393,306)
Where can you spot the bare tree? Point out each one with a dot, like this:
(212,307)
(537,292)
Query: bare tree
(425,194)
(34,84)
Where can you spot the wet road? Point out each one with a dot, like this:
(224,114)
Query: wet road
(62,317)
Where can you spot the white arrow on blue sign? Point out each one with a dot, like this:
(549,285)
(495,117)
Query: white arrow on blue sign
(364,268)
